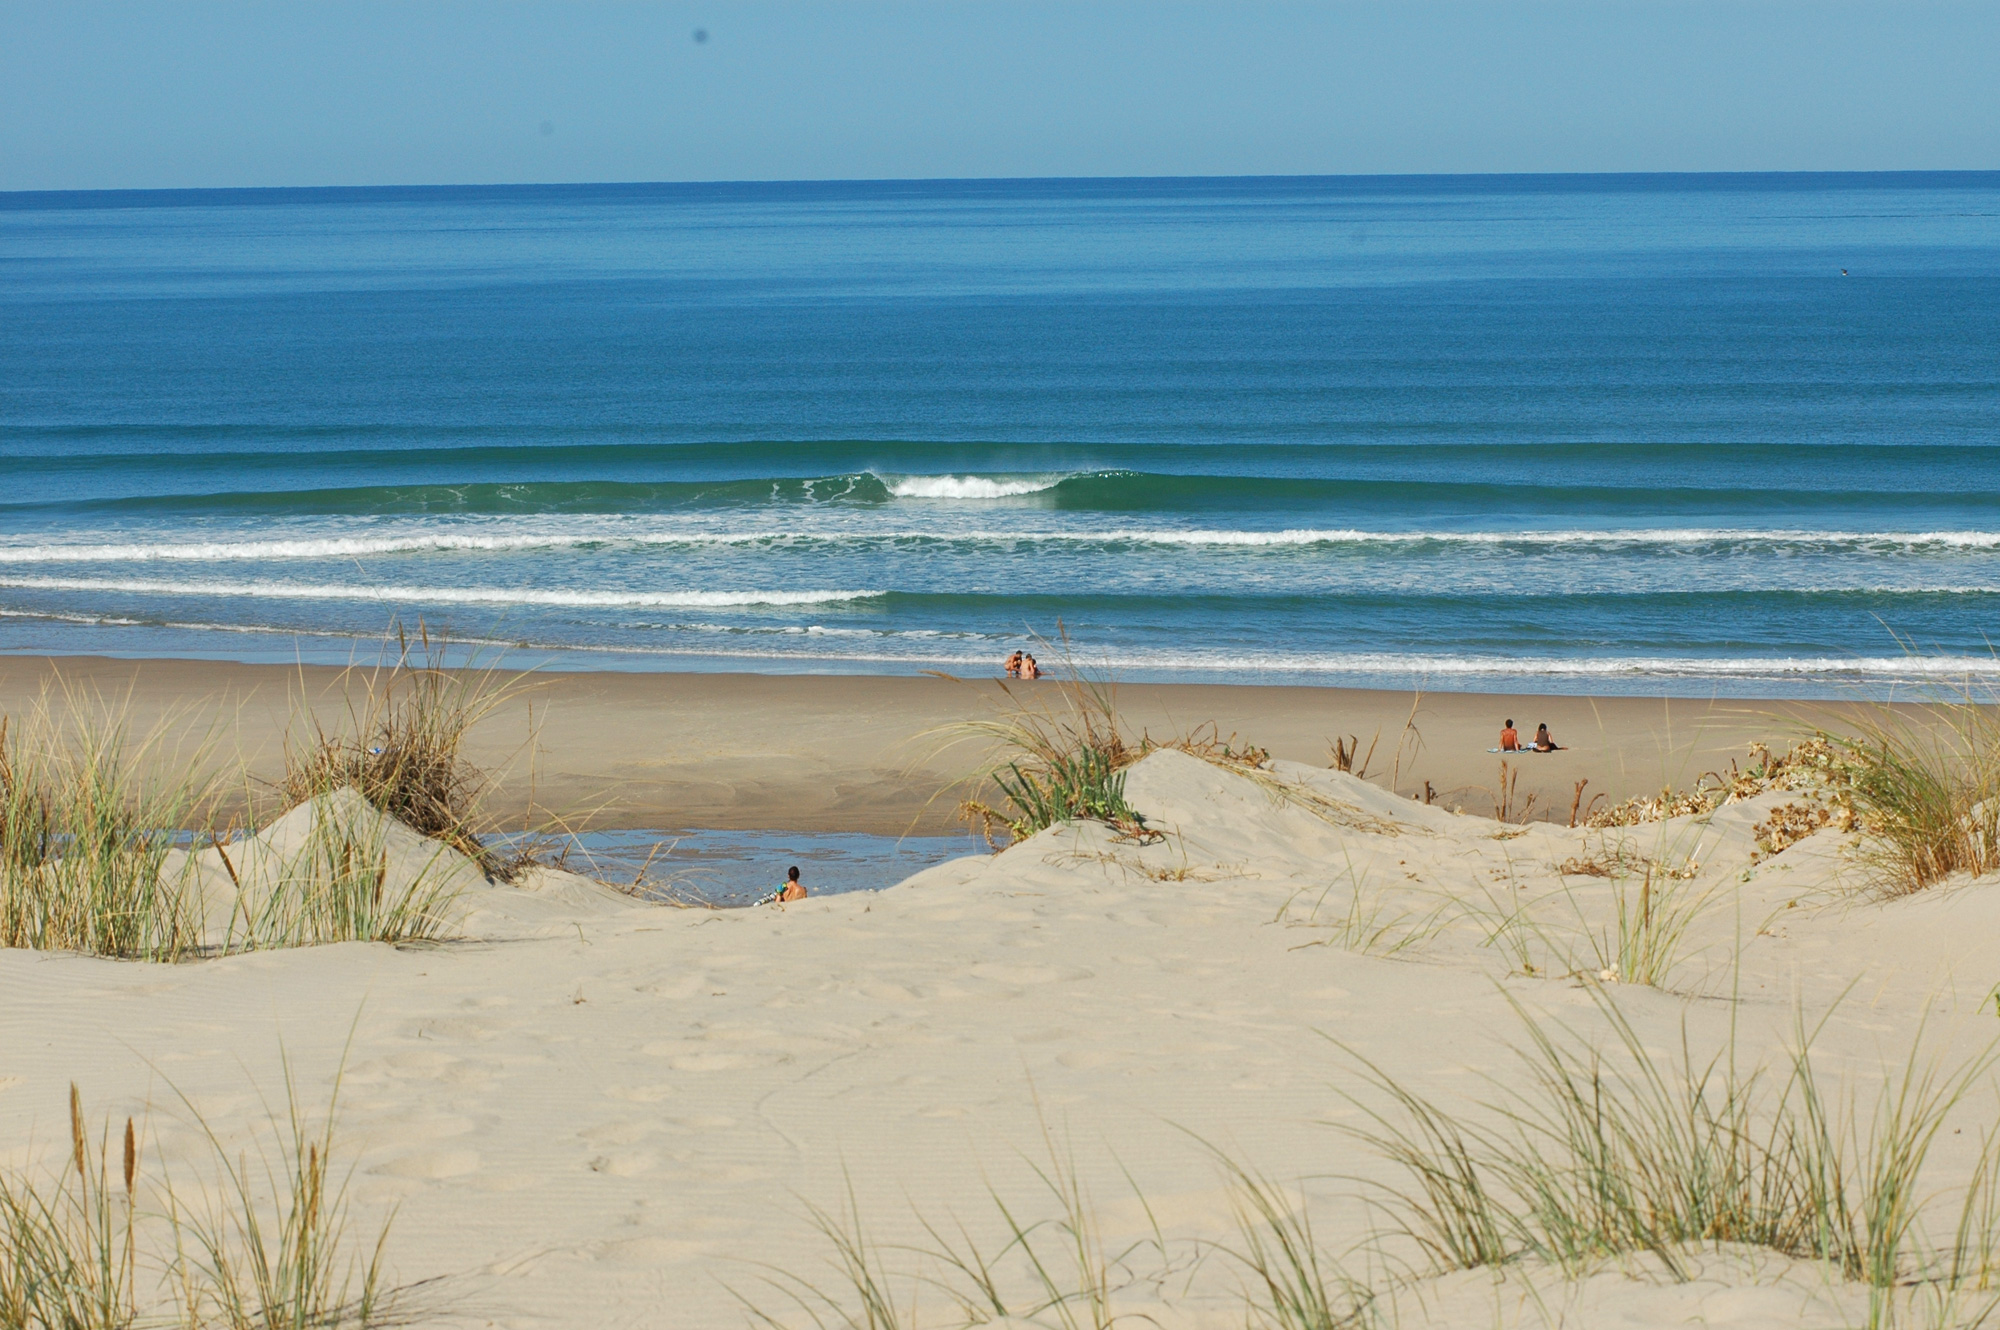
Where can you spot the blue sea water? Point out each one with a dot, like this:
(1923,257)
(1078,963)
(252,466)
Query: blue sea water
(732,868)
(1672,434)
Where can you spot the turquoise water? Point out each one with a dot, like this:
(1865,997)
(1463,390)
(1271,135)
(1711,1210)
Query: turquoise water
(1574,433)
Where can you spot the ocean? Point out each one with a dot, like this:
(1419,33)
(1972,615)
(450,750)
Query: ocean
(1678,434)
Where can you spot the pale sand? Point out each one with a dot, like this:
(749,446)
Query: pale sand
(594,1113)
(833,753)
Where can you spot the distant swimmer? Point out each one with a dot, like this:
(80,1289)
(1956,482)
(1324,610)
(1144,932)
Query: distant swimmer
(1843,272)
(1510,738)
(1544,742)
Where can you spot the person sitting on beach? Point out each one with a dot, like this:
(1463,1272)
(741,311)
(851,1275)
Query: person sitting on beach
(1510,739)
(1014,666)
(1544,743)
(793,890)
(1029,669)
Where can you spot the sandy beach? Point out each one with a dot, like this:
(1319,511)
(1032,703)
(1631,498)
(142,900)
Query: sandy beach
(590,1111)
(862,753)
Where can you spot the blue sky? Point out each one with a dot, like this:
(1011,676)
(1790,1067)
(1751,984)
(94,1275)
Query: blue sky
(96,94)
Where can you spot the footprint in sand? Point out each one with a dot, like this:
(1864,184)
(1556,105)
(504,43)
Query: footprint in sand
(628,1164)
(431,1164)
(618,1133)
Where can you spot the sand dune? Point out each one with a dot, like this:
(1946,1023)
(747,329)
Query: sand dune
(594,1112)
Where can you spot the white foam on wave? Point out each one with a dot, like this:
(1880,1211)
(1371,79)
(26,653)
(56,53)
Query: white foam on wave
(1689,536)
(331,547)
(969,487)
(597,534)
(440,595)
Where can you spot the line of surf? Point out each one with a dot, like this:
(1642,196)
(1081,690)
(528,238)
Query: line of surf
(265,590)
(1372,665)
(347,547)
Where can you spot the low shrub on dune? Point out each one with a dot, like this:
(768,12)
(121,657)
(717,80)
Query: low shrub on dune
(400,743)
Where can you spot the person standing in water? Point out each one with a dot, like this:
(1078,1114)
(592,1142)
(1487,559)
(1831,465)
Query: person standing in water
(793,890)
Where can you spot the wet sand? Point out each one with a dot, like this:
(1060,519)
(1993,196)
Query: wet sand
(872,753)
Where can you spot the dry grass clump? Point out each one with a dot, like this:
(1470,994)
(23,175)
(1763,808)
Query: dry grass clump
(1789,823)
(401,744)
(1922,786)
(1601,1155)
(87,817)
(273,1250)
(1821,764)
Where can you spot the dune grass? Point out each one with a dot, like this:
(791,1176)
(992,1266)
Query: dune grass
(274,1248)
(99,1246)
(1069,750)
(68,1253)
(1601,1155)
(1054,1271)
(341,886)
(1589,1158)
(1927,790)
(1061,747)
(400,742)
(88,816)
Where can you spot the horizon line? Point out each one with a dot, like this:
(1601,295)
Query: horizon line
(1405,177)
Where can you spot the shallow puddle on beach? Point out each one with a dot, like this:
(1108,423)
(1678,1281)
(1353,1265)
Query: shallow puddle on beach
(740,867)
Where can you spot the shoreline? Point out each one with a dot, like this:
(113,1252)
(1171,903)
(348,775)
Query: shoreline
(605,750)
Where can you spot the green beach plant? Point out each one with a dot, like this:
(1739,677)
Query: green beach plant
(88,820)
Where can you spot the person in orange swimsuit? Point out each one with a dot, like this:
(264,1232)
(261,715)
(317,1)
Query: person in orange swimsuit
(1510,739)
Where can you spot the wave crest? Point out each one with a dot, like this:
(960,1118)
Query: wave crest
(442,595)
(970,487)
